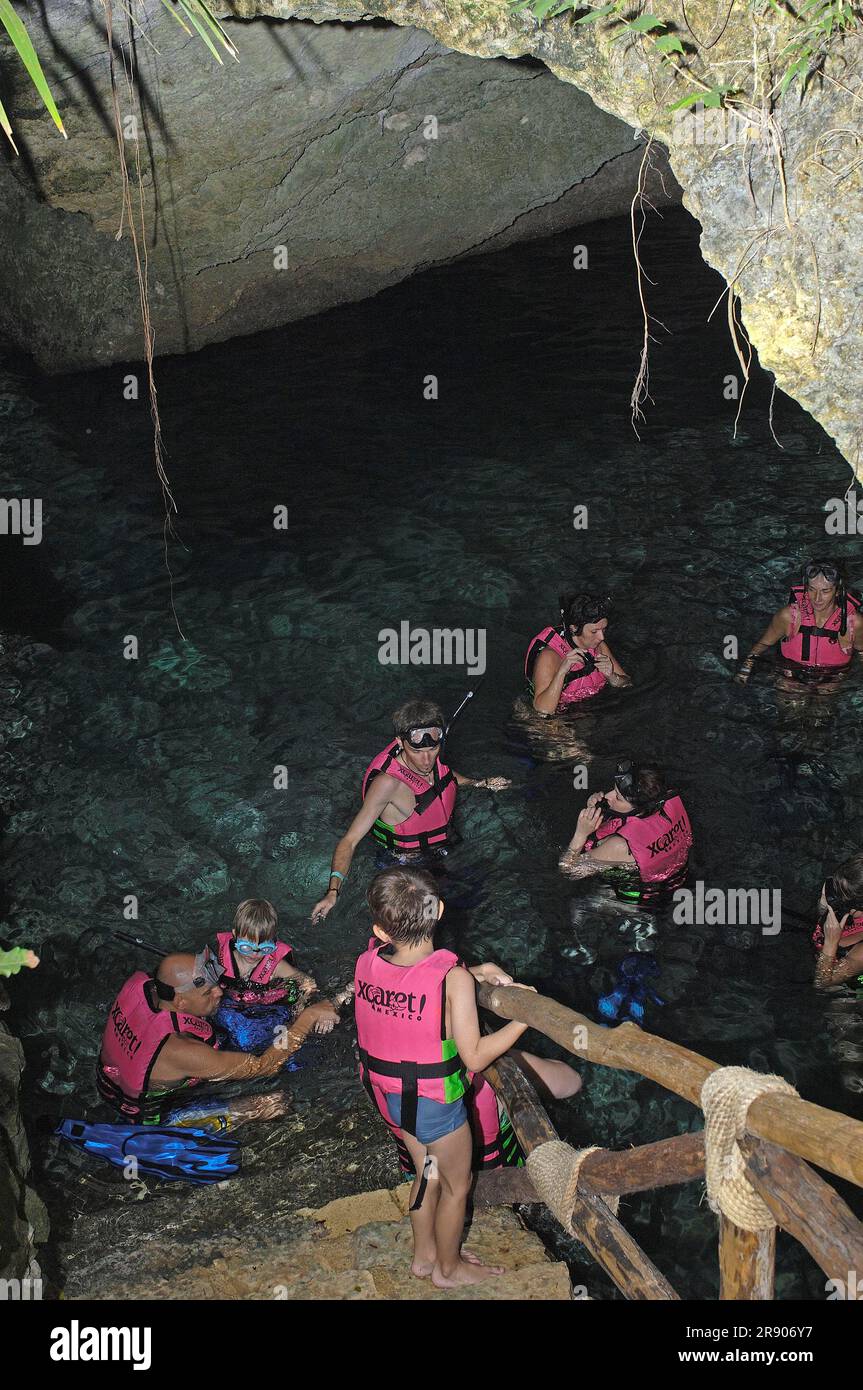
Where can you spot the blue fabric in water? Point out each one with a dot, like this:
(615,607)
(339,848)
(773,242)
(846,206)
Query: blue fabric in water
(252,1028)
(175,1155)
(633,992)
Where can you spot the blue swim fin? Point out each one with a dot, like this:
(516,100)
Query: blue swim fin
(175,1155)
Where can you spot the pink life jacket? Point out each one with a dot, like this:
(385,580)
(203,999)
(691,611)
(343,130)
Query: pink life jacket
(851,929)
(579,683)
(813,646)
(403,1048)
(659,843)
(135,1033)
(428,824)
(254,988)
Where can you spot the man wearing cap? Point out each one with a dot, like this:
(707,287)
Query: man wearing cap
(409,797)
(158,1042)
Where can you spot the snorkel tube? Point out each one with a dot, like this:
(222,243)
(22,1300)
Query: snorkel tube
(469,696)
(139,941)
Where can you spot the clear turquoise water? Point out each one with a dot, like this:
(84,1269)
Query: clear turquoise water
(154,777)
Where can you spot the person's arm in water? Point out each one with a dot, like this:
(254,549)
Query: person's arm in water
(182,1057)
(828,971)
(610,667)
(576,862)
(780,626)
(377,798)
(477,1052)
(549,674)
(491,784)
(307,987)
(307,984)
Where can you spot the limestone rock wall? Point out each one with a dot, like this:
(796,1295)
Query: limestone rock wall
(781,213)
(23,1221)
(315,142)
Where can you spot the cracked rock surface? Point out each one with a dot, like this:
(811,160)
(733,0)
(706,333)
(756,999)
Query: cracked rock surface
(780,203)
(332,161)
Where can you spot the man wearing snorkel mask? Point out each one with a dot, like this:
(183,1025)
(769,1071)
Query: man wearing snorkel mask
(409,796)
(818,631)
(159,1041)
(838,936)
(638,833)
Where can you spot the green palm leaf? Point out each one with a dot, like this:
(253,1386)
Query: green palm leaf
(17,32)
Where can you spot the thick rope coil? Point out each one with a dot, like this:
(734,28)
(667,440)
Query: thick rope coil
(553,1168)
(725,1099)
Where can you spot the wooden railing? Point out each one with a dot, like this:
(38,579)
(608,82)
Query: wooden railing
(782,1132)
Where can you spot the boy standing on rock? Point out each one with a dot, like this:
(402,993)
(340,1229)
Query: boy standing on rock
(420,1047)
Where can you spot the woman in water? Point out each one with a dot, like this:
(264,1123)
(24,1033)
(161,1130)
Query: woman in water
(637,834)
(818,631)
(573,662)
(838,937)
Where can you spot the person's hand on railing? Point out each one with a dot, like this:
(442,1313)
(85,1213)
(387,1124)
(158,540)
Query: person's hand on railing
(490,974)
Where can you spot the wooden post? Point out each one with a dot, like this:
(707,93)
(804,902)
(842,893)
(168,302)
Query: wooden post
(616,1252)
(614,1173)
(746,1262)
(609,1173)
(822,1136)
(526,1112)
(594,1225)
(805,1206)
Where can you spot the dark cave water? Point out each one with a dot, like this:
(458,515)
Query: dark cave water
(154,776)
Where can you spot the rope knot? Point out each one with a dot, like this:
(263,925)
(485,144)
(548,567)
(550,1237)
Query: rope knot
(554,1168)
(725,1099)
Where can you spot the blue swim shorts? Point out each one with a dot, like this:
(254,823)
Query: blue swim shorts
(435,1118)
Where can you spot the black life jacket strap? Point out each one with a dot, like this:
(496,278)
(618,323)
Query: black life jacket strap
(424,1182)
(808,631)
(425,1071)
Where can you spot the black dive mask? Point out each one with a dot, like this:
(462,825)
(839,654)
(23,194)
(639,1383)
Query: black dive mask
(626,780)
(835,898)
(423,735)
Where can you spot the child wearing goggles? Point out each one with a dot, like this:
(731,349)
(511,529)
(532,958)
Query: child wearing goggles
(263,988)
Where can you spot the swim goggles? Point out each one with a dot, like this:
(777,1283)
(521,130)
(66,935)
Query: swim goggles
(823,567)
(626,779)
(244,947)
(423,736)
(207,969)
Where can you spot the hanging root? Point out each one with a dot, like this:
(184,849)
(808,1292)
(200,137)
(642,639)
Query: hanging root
(138,233)
(641,386)
(735,325)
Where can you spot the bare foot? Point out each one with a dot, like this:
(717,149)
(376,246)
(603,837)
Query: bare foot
(423,1268)
(465,1272)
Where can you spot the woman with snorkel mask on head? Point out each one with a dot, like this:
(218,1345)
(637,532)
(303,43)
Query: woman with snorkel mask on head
(572,662)
(818,630)
(838,936)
